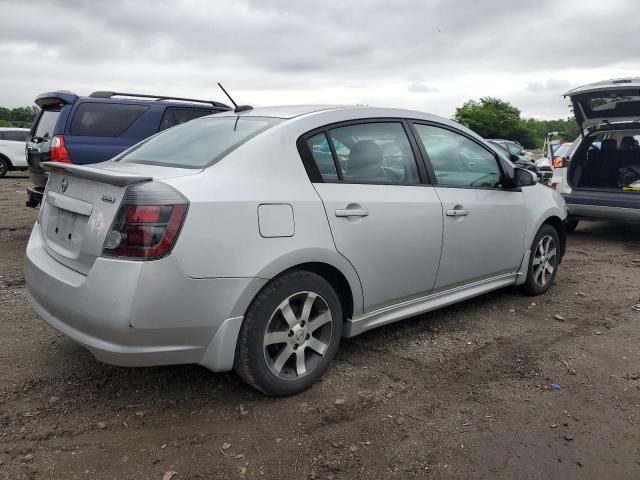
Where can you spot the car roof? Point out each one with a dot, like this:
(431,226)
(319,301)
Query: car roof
(13,129)
(348,111)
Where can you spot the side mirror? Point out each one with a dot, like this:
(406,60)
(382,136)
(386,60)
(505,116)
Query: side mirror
(513,157)
(524,178)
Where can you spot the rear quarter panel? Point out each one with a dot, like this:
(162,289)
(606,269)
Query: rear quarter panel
(221,236)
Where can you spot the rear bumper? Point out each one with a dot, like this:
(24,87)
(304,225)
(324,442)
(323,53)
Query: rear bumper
(139,313)
(597,211)
(614,205)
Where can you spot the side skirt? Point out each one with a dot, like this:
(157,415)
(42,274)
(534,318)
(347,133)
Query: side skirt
(416,306)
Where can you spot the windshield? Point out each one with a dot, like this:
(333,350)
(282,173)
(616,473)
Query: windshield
(198,143)
(562,150)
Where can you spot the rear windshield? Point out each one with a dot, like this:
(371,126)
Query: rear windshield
(46,123)
(623,103)
(104,119)
(198,143)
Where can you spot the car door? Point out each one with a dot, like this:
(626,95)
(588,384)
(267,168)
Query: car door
(15,141)
(384,219)
(483,228)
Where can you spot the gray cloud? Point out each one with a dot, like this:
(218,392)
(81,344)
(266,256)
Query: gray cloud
(361,51)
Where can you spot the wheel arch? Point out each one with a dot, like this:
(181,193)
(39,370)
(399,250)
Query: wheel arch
(8,160)
(557,223)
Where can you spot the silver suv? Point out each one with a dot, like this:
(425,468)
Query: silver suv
(256,240)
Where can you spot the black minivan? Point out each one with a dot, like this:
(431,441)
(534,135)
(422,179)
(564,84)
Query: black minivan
(85,130)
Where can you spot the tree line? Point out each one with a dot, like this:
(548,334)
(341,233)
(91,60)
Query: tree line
(488,117)
(21,117)
(494,118)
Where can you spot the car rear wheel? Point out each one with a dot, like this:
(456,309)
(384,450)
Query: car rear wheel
(4,167)
(290,334)
(543,261)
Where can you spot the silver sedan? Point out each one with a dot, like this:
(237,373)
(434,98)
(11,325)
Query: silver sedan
(256,240)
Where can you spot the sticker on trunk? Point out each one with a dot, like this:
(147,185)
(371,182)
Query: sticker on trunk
(97,223)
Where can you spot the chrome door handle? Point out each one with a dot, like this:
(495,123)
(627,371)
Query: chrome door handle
(352,212)
(457,212)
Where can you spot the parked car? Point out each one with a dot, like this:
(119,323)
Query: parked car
(517,161)
(12,157)
(600,176)
(86,130)
(239,241)
(555,158)
(516,149)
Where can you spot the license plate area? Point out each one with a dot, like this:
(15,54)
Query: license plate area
(64,231)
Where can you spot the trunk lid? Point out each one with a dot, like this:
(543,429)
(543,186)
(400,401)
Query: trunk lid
(81,203)
(609,101)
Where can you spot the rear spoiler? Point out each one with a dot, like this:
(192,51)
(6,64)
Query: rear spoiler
(112,177)
(56,99)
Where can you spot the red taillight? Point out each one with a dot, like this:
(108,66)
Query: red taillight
(143,213)
(559,162)
(58,150)
(148,222)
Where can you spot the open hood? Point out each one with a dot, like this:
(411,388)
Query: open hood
(610,101)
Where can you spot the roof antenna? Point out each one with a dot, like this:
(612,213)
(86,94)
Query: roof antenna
(238,108)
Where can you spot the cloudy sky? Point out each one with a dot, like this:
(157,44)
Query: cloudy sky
(429,55)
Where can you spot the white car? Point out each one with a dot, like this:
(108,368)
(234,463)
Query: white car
(12,153)
(600,175)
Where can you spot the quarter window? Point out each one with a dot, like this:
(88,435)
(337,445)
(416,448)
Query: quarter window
(104,119)
(457,160)
(374,153)
(177,116)
(321,153)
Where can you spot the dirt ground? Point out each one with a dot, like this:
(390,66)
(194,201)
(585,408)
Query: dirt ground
(464,392)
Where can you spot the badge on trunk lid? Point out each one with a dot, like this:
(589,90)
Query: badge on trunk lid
(64,184)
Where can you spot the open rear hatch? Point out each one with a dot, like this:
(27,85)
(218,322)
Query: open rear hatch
(81,203)
(606,102)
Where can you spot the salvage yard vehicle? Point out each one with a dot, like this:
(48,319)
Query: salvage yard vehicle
(84,130)
(240,241)
(514,148)
(600,176)
(12,156)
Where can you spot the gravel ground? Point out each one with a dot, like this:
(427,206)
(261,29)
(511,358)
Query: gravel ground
(464,392)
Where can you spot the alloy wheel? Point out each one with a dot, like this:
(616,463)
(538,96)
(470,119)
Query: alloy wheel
(544,260)
(298,335)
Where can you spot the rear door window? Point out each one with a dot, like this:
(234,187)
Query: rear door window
(176,116)
(374,153)
(104,119)
(46,123)
(16,135)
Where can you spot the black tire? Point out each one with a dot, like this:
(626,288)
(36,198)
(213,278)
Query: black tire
(571,224)
(4,167)
(257,363)
(538,282)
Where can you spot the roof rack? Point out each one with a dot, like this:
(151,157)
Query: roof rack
(106,94)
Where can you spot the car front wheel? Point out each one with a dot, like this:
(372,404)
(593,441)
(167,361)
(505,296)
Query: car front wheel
(4,167)
(290,334)
(543,261)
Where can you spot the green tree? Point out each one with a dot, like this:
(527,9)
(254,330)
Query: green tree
(18,117)
(494,118)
